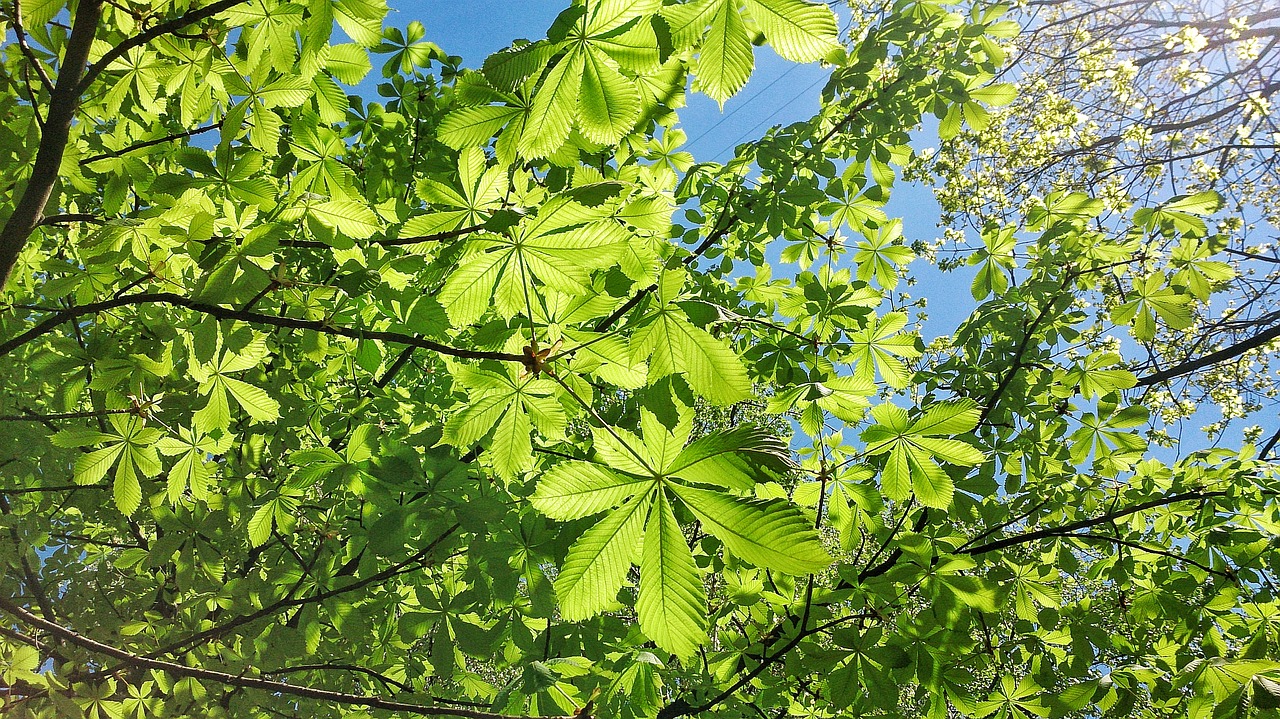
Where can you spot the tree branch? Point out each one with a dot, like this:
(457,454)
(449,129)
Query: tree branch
(239,680)
(439,236)
(1222,355)
(289,602)
(149,143)
(227,313)
(63,102)
(32,417)
(150,34)
(1145,548)
(21,33)
(1086,523)
(58,488)
(32,579)
(383,679)
(68,219)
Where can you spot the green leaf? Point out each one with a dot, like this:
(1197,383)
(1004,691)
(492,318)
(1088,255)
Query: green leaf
(800,31)
(348,62)
(597,563)
(286,91)
(725,60)
(955,417)
(551,117)
(474,126)
(576,489)
(35,13)
(126,489)
(674,345)
(255,401)
(736,459)
(672,602)
(769,533)
(913,449)
(91,467)
(349,217)
(609,105)
(261,524)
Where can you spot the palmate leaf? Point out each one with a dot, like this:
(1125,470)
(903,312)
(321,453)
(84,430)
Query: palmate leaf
(672,603)
(597,563)
(879,347)
(1155,299)
(769,533)
(797,30)
(879,257)
(560,248)
(130,449)
(914,448)
(586,87)
(192,470)
(675,346)
(508,406)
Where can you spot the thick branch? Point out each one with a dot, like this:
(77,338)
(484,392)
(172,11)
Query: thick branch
(227,313)
(1073,527)
(63,102)
(238,680)
(1213,358)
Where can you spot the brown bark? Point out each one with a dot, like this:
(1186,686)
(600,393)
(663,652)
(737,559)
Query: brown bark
(53,141)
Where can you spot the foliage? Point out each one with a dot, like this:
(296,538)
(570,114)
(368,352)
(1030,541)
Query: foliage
(314,406)
(1143,103)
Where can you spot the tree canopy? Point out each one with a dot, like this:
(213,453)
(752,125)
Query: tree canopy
(488,400)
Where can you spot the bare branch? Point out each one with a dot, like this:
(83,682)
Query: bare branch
(21,34)
(1226,353)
